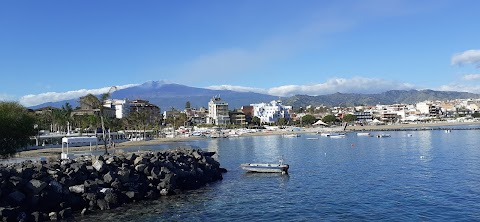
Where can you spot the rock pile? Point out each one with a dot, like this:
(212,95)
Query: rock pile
(55,190)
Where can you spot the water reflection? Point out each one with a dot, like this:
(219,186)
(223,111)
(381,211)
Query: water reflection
(425,145)
(266,149)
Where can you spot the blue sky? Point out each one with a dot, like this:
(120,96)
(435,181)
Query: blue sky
(53,50)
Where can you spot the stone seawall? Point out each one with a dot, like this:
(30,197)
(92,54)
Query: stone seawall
(56,190)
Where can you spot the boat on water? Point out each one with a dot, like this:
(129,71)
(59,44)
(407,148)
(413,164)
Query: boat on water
(363,134)
(266,167)
(337,135)
(383,135)
(291,135)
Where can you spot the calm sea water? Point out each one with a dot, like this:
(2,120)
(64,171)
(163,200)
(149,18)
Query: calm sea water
(431,175)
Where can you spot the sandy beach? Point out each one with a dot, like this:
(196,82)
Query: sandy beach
(55,152)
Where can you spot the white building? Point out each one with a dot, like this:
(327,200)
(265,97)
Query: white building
(121,107)
(271,112)
(424,107)
(218,112)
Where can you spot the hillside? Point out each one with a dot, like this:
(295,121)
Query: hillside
(174,95)
(389,97)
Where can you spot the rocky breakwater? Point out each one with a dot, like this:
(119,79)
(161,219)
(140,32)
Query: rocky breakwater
(59,189)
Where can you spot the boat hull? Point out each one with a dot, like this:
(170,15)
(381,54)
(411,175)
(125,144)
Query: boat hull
(265,168)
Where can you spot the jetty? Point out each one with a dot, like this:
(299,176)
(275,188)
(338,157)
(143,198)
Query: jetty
(61,188)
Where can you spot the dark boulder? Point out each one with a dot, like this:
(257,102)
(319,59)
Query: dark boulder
(16,198)
(65,213)
(53,190)
(36,186)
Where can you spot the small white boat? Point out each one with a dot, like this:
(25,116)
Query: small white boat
(448,131)
(363,134)
(266,167)
(383,135)
(291,135)
(337,136)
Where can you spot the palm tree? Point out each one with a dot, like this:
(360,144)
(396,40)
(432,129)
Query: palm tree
(58,120)
(97,103)
(139,120)
(66,114)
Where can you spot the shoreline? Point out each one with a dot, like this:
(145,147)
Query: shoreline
(55,152)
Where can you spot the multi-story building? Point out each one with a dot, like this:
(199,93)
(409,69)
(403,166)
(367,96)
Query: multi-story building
(271,112)
(121,107)
(248,111)
(238,117)
(218,112)
(363,116)
(144,106)
(424,107)
(196,116)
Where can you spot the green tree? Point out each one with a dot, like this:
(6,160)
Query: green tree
(16,127)
(256,121)
(308,119)
(180,120)
(281,122)
(187,105)
(329,119)
(475,115)
(349,118)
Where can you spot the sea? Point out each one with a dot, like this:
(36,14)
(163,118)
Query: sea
(424,175)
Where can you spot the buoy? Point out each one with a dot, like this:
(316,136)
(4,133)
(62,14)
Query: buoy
(353,145)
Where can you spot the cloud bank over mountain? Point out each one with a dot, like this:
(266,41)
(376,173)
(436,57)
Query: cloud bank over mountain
(360,85)
(31,100)
(343,85)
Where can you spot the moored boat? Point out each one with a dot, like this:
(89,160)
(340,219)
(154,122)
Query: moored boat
(339,135)
(266,167)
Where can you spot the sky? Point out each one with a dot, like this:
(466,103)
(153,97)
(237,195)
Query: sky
(55,50)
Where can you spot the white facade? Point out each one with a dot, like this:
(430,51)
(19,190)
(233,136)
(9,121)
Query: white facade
(271,112)
(122,107)
(218,112)
(424,107)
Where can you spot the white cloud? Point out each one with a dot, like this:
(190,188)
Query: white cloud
(468,57)
(32,100)
(460,88)
(343,85)
(238,88)
(471,77)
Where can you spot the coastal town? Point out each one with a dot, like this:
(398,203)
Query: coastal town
(137,120)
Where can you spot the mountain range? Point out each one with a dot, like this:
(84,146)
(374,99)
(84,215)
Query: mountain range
(167,95)
(386,98)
